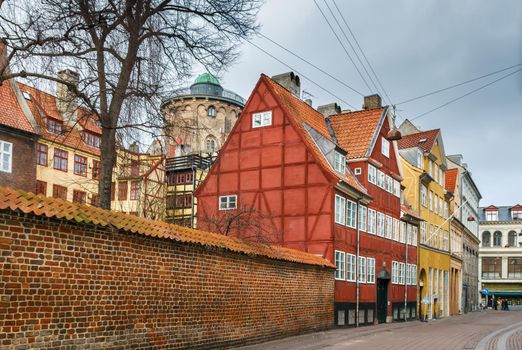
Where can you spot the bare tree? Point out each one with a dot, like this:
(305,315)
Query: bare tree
(129,54)
(247,223)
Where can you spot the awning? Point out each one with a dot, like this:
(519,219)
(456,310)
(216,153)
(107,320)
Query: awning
(504,293)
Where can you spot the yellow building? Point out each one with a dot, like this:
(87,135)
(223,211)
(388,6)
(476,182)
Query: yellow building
(424,163)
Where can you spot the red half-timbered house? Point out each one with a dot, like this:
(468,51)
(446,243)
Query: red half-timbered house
(285,160)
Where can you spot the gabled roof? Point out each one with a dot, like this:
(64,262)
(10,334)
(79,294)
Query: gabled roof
(517,207)
(491,208)
(451,179)
(425,140)
(355,130)
(303,114)
(11,113)
(16,200)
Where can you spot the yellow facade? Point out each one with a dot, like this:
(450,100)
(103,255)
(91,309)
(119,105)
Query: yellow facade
(424,190)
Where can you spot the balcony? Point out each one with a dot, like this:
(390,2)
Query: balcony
(191,161)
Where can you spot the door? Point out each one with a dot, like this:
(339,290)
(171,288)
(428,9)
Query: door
(382,300)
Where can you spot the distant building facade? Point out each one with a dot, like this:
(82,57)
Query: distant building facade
(501,253)
(200,119)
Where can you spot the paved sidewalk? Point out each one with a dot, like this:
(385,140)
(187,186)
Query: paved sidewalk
(502,329)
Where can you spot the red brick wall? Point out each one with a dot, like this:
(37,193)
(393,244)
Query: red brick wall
(23,170)
(68,285)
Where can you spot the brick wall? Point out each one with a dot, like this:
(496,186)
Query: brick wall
(68,285)
(23,171)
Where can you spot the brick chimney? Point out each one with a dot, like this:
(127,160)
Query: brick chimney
(329,109)
(66,99)
(372,101)
(289,81)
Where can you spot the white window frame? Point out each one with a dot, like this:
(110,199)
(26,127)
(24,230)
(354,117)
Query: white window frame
(385,147)
(420,159)
(372,174)
(264,119)
(424,196)
(370,270)
(413,278)
(403,231)
(351,213)
(3,153)
(396,229)
(339,163)
(340,265)
(363,217)
(396,188)
(388,184)
(408,274)
(423,231)
(380,179)
(380,224)
(228,202)
(402,270)
(372,221)
(340,213)
(350,267)
(430,195)
(389,227)
(361,268)
(395,272)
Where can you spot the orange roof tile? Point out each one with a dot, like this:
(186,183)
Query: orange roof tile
(424,140)
(355,130)
(302,113)
(451,179)
(405,208)
(11,114)
(11,199)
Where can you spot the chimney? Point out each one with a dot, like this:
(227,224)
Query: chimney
(134,147)
(372,101)
(308,101)
(289,81)
(66,99)
(329,109)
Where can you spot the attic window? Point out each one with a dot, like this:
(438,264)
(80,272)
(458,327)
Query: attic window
(385,148)
(261,119)
(26,95)
(516,215)
(54,126)
(339,163)
(423,140)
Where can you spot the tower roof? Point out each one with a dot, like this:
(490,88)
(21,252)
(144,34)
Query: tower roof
(207,78)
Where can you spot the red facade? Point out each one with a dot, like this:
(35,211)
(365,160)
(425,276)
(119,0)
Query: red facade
(280,170)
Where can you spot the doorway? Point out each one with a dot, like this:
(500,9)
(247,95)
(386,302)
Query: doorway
(382,299)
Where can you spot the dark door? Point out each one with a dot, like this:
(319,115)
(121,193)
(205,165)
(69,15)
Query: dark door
(382,300)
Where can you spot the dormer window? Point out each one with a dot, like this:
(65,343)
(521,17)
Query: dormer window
(420,158)
(340,163)
(492,215)
(91,139)
(261,119)
(385,148)
(516,215)
(54,126)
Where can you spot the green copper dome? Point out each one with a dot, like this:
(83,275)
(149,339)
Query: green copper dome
(207,78)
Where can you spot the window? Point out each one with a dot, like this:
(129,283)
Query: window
(413,270)
(402,272)
(396,229)
(6,156)
(441,207)
(95,169)
(370,276)
(362,218)
(95,200)
(60,159)
(41,154)
(123,188)
(486,239)
(403,232)
(420,159)
(396,188)
(431,168)
(385,147)
(446,241)
(79,197)
(228,202)
(339,163)
(512,239)
(340,203)
(435,204)
(211,144)
(134,167)
(372,221)
(408,274)
(41,187)
(339,265)
(362,269)
(372,174)
(54,126)
(59,192)
(395,272)
(497,239)
(423,231)
(446,210)
(350,267)
(431,200)
(135,190)
(380,224)
(436,172)
(388,184)
(261,119)
(516,215)
(351,213)
(514,267)
(491,268)
(181,200)
(80,165)
(492,215)
(211,111)
(357,171)
(389,227)
(92,139)
(424,194)
(113,191)
(380,179)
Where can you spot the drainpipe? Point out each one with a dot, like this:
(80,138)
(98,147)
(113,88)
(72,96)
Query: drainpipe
(418,255)
(405,271)
(357,267)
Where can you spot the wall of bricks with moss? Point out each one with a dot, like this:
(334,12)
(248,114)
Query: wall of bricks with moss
(67,285)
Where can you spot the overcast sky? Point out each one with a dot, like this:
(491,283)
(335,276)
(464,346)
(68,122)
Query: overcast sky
(415,47)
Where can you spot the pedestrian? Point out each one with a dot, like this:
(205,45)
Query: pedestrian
(495,304)
(507,305)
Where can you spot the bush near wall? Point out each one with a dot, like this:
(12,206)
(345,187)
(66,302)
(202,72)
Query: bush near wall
(80,277)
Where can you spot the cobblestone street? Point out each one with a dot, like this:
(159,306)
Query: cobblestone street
(487,330)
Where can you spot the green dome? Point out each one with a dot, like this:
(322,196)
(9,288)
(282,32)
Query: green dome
(207,78)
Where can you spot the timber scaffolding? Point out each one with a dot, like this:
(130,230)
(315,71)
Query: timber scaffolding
(184,174)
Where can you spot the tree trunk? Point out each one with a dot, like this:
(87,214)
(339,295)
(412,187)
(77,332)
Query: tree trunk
(107,162)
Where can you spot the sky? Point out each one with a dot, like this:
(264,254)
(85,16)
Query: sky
(415,47)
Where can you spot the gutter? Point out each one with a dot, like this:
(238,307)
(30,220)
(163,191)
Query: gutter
(358,286)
